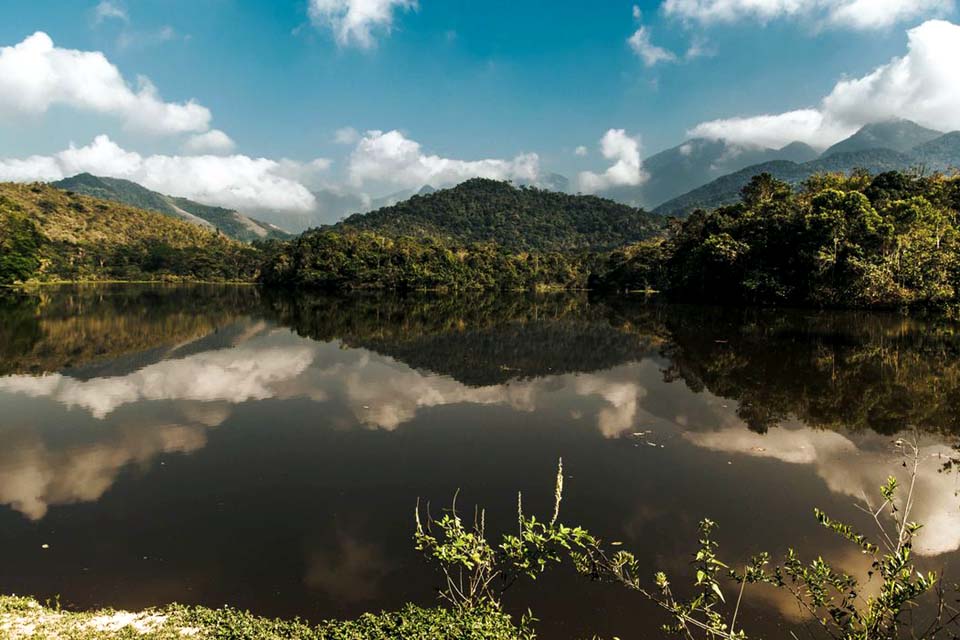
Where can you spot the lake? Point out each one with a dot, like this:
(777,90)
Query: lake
(230,445)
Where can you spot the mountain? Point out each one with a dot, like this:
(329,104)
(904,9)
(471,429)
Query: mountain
(797,152)
(940,153)
(231,223)
(696,162)
(898,135)
(516,218)
(49,234)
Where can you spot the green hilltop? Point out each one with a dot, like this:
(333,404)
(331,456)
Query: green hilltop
(47,234)
(515,218)
(230,223)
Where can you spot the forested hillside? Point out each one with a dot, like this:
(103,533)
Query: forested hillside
(886,241)
(516,218)
(352,260)
(231,223)
(47,234)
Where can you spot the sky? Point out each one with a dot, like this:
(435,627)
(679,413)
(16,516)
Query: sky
(254,104)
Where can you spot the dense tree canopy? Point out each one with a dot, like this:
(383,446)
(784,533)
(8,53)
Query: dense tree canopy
(345,261)
(47,234)
(890,240)
(19,244)
(516,218)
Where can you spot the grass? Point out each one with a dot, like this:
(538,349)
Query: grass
(26,619)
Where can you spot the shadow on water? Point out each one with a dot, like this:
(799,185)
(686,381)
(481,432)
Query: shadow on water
(233,445)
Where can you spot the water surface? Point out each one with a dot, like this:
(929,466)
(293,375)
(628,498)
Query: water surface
(227,445)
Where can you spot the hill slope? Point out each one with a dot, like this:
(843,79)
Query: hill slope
(49,234)
(897,135)
(696,162)
(518,219)
(934,155)
(231,223)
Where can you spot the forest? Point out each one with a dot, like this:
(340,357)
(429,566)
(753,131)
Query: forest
(517,219)
(857,240)
(365,260)
(47,234)
(839,240)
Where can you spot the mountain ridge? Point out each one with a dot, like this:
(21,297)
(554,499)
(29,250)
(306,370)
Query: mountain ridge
(229,222)
(939,154)
(516,218)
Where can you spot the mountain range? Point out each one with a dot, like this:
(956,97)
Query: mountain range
(889,146)
(230,223)
(699,173)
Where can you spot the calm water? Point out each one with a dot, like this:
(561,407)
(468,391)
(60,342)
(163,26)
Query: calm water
(226,445)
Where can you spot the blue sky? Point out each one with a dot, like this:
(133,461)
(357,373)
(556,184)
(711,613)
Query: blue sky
(466,79)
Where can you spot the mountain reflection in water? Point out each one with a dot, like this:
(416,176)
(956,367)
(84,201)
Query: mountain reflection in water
(231,445)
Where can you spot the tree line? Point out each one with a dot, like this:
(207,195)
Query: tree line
(855,240)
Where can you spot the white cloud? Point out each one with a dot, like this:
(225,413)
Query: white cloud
(346,135)
(108,10)
(35,475)
(354,21)
(230,375)
(235,181)
(773,130)
(130,39)
(848,14)
(36,75)
(627,169)
(923,86)
(581,151)
(390,158)
(855,470)
(650,53)
(213,141)
(642,45)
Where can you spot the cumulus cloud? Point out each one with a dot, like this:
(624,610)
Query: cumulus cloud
(354,21)
(581,151)
(233,181)
(390,158)
(213,141)
(923,86)
(627,169)
(36,75)
(848,14)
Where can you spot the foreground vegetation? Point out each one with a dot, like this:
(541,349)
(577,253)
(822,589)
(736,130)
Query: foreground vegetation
(26,619)
(896,601)
(838,606)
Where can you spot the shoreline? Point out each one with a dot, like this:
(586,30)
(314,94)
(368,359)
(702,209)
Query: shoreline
(25,618)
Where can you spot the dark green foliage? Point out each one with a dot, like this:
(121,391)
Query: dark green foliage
(515,218)
(19,244)
(851,241)
(345,261)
